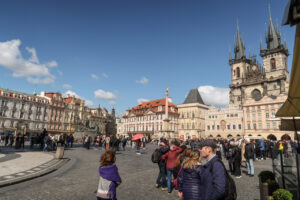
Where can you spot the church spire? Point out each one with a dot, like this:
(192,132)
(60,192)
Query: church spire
(273,38)
(239,46)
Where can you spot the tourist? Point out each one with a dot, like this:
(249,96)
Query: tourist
(109,177)
(124,142)
(213,173)
(107,141)
(230,157)
(249,156)
(170,158)
(46,142)
(161,178)
(237,158)
(189,177)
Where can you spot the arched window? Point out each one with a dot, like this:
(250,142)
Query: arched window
(273,63)
(238,72)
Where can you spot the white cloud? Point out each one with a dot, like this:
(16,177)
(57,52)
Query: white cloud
(101,94)
(52,64)
(67,86)
(104,75)
(94,76)
(143,81)
(71,93)
(214,96)
(141,100)
(34,71)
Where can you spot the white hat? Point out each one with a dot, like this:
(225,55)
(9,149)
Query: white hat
(247,140)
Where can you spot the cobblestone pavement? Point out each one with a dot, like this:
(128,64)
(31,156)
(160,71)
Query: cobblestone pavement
(78,179)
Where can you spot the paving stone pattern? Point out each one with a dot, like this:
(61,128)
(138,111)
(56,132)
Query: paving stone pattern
(78,179)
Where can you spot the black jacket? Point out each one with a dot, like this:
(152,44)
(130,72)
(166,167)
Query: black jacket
(162,151)
(249,151)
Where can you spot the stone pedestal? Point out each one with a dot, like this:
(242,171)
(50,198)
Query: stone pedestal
(59,152)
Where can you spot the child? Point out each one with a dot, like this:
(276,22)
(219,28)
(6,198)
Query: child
(109,177)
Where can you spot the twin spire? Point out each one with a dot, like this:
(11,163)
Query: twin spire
(273,40)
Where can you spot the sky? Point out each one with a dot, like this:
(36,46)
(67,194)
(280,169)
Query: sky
(117,53)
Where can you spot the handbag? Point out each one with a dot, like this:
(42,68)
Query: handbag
(175,182)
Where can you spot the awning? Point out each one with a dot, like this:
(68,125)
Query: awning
(291,107)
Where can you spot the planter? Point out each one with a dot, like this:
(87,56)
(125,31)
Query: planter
(266,190)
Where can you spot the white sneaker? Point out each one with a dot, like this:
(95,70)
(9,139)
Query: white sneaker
(238,177)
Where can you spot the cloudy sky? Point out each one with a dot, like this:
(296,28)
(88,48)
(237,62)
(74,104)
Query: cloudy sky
(120,53)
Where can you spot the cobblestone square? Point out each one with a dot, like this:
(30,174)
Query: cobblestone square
(78,179)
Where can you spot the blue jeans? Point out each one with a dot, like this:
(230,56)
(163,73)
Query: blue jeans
(250,166)
(170,173)
(162,176)
(45,147)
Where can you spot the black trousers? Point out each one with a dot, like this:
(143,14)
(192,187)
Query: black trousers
(99,198)
(237,168)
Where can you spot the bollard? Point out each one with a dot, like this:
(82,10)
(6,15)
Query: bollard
(59,153)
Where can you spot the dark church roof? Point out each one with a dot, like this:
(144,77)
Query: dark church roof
(193,97)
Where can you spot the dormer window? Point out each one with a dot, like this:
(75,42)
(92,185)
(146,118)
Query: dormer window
(159,108)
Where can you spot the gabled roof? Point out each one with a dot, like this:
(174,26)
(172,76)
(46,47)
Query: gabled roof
(193,97)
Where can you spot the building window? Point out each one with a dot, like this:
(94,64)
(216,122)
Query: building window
(253,108)
(258,107)
(218,127)
(259,125)
(238,73)
(208,127)
(188,126)
(247,108)
(273,114)
(267,115)
(240,126)
(233,127)
(248,115)
(228,126)
(193,115)
(259,115)
(274,125)
(268,125)
(193,126)
(254,126)
(249,127)
(253,116)
(213,127)
(273,64)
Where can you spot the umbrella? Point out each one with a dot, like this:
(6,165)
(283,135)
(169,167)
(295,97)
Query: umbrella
(137,136)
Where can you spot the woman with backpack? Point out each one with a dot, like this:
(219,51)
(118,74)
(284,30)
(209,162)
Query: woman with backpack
(109,177)
(189,177)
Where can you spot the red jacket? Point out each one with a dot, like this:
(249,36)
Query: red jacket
(171,156)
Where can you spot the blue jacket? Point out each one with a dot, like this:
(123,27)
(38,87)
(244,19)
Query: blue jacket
(212,181)
(261,145)
(189,183)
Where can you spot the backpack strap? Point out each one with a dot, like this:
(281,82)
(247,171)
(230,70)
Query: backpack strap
(213,162)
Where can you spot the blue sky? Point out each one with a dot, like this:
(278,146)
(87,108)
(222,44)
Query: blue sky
(113,53)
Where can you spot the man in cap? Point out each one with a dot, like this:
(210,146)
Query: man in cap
(213,173)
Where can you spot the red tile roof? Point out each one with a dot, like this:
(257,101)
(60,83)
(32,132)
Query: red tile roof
(153,105)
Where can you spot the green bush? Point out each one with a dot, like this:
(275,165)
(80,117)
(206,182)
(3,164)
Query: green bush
(282,194)
(266,175)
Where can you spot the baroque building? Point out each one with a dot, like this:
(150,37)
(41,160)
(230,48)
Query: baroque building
(157,118)
(56,111)
(191,122)
(23,113)
(73,118)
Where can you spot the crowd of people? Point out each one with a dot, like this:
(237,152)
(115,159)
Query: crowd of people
(196,167)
